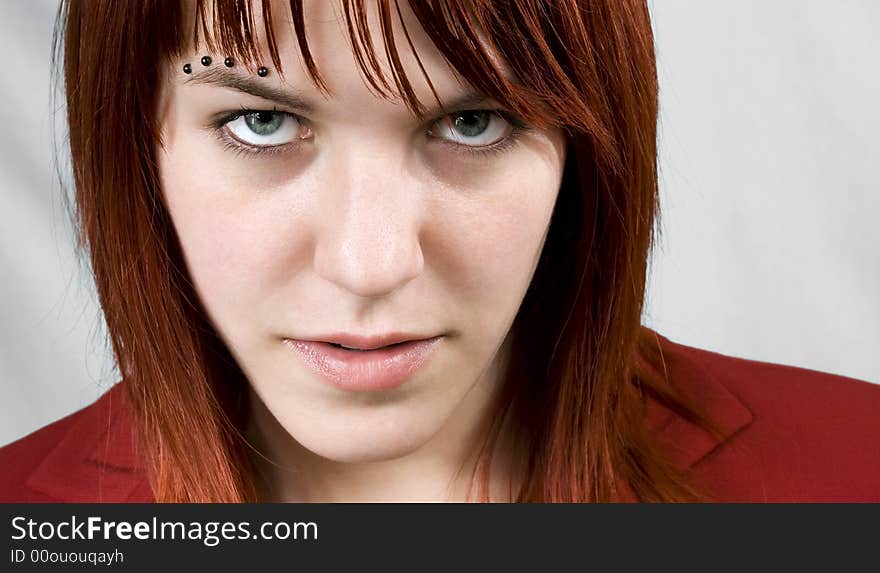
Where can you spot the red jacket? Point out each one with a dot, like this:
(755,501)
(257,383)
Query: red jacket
(790,434)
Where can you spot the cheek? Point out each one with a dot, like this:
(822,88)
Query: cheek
(498,237)
(237,246)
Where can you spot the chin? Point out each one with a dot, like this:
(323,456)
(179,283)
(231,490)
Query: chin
(374,442)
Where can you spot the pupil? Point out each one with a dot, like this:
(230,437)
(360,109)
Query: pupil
(472,123)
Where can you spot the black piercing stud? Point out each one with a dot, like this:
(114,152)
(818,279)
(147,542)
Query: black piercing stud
(187,69)
(228,62)
(263,72)
(206,60)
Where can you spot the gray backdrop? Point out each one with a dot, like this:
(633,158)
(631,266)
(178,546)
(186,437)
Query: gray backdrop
(770,163)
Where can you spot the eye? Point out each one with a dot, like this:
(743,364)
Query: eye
(265,128)
(473,128)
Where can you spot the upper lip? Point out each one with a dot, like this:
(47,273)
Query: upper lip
(369,342)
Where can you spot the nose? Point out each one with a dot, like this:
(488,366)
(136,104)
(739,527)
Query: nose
(368,242)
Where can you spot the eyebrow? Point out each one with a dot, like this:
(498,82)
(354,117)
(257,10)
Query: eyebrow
(222,78)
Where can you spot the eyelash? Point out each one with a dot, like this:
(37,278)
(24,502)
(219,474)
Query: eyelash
(239,148)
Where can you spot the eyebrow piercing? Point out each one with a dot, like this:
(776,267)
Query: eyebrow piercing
(262,71)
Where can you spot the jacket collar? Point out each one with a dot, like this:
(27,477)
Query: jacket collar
(689,370)
(97,459)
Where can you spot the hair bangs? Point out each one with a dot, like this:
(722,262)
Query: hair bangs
(483,42)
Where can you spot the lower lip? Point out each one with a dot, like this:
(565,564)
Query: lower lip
(368,370)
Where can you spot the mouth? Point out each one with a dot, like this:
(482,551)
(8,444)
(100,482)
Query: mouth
(356,342)
(365,369)
(354,349)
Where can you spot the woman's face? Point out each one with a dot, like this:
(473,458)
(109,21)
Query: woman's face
(347,215)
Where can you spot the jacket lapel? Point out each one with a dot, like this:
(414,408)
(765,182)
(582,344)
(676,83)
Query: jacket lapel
(685,442)
(96,461)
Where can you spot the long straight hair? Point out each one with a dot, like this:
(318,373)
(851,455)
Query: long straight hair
(581,364)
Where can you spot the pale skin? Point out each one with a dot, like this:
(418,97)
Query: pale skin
(361,219)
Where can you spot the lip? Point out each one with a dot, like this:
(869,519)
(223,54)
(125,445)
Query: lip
(368,342)
(365,370)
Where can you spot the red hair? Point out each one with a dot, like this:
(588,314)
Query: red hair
(581,365)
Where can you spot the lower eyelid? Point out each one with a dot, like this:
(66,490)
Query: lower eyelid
(232,143)
(484,151)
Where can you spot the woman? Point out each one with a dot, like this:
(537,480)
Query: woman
(395,253)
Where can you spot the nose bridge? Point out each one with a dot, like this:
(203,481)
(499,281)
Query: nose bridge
(369,242)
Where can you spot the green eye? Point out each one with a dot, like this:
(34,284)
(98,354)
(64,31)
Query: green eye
(472,123)
(473,128)
(264,122)
(265,128)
